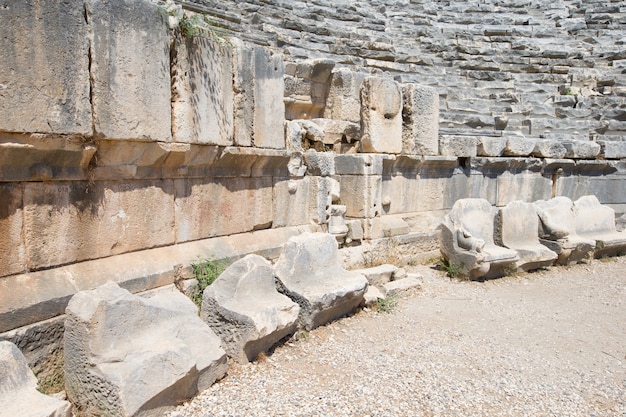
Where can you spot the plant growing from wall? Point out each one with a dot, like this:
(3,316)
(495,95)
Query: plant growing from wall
(206,272)
(192,24)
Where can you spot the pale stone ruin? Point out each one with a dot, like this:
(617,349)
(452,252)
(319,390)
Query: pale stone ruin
(139,135)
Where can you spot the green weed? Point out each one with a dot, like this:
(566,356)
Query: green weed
(206,272)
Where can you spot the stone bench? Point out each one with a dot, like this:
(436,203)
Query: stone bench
(18,388)
(557,231)
(127,355)
(246,311)
(597,222)
(517,229)
(466,240)
(309,271)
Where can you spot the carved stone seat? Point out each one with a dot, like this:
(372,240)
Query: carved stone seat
(557,231)
(246,311)
(517,227)
(309,271)
(467,240)
(597,222)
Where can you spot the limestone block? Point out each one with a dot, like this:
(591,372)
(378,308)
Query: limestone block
(344,99)
(294,135)
(127,355)
(420,126)
(581,149)
(269,108)
(243,86)
(402,285)
(202,109)
(246,311)
(309,271)
(467,240)
(378,275)
(516,228)
(44,71)
(130,70)
(222,206)
(337,223)
(18,388)
(31,158)
(613,149)
(459,146)
(381,116)
(488,146)
(386,226)
(519,146)
(320,163)
(371,296)
(545,148)
(355,231)
(74,221)
(323,191)
(12,249)
(290,193)
(526,186)
(361,164)
(362,195)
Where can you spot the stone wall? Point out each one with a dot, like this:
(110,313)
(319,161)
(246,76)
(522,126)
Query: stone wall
(129,147)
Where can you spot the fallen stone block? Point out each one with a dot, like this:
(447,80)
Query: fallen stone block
(309,271)
(401,285)
(18,388)
(246,311)
(378,275)
(135,356)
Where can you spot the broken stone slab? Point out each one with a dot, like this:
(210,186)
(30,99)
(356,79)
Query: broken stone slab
(245,310)
(557,231)
(516,227)
(337,131)
(467,243)
(401,285)
(319,163)
(381,116)
(135,356)
(344,100)
(545,148)
(581,149)
(488,146)
(18,388)
(596,221)
(309,271)
(378,275)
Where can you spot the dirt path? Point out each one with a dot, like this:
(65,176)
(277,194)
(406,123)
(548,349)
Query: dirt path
(547,343)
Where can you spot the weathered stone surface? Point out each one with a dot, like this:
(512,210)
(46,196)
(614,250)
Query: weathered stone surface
(130,70)
(12,249)
(337,222)
(549,149)
(525,185)
(420,120)
(44,70)
(386,226)
(243,86)
(516,228)
(269,108)
(344,99)
(488,146)
(519,146)
(320,163)
(309,271)
(467,240)
(216,207)
(362,195)
(18,388)
(597,222)
(459,146)
(381,116)
(246,311)
(337,131)
(579,149)
(202,106)
(362,164)
(557,231)
(70,222)
(371,296)
(134,356)
(613,149)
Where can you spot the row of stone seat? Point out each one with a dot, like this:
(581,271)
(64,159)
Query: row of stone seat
(129,355)
(487,242)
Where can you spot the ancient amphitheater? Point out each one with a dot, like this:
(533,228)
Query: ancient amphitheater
(139,136)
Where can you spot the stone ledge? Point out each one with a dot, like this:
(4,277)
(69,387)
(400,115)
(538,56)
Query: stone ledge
(33,297)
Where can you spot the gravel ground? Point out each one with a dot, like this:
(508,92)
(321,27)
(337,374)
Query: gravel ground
(549,343)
